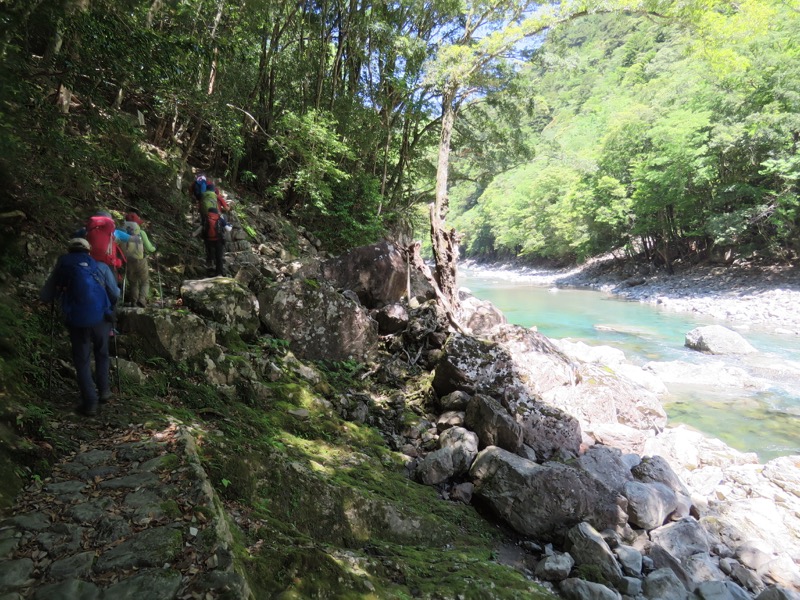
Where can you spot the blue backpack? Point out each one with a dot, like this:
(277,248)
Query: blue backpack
(84,300)
(199,186)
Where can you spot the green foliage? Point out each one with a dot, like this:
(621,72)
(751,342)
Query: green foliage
(650,137)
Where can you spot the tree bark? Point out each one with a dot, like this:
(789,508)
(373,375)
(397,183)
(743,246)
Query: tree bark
(413,256)
(445,243)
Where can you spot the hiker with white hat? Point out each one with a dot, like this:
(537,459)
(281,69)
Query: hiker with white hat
(88,292)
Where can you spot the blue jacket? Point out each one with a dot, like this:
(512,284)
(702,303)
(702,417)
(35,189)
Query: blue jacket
(49,293)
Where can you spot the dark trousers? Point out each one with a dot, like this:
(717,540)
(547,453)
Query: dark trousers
(215,251)
(85,342)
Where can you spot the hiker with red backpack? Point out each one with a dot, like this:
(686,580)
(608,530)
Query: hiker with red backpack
(88,293)
(103,237)
(212,198)
(213,231)
(138,269)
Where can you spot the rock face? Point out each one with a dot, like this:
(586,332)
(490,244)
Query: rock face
(716,339)
(542,500)
(377,273)
(318,322)
(223,301)
(172,335)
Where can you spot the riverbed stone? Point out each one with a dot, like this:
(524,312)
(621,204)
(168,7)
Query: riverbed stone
(589,548)
(579,589)
(555,567)
(682,538)
(542,500)
(493,424)
(550,432)
(630,559)
(663,584)
(606,464)
(649,504)
(716,339)
(721,590)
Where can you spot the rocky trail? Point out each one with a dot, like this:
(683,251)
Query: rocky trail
(130,515)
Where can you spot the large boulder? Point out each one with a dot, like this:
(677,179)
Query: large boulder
(542,501)
(712,373)
(601,396)
(173,335)
(687,450)
(716,339)
(480,316)
(512,363)
(224,301)
(493,424)
(538,362)
(550,432)
(473,366)
(649,504)
(606,464)
(318,322)
(377,273)
(589,548)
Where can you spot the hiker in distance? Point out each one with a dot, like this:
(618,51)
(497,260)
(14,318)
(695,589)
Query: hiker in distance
(138,268)
(213,231)
(88,292)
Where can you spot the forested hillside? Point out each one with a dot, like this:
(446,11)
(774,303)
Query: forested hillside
(672,130)
(647,134)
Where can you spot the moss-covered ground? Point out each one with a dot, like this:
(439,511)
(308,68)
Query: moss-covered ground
(322,507)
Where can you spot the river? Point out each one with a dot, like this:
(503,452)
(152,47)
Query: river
(766,421)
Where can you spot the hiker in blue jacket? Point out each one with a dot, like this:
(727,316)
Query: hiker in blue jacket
(88,292)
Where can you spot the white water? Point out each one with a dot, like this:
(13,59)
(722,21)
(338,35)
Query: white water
(765,421)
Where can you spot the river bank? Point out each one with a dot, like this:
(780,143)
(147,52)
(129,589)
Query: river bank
(743,295)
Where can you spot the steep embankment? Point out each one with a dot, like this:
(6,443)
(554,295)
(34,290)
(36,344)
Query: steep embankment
(319,505)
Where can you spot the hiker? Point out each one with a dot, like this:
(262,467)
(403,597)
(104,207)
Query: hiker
(88,293)
(103,235)
(212,198)
(198,187)
(214,228)
(138,269)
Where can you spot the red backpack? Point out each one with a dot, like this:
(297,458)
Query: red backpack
(100,235)
(212,228)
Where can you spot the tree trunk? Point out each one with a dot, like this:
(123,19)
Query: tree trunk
(444,243)
(413,257)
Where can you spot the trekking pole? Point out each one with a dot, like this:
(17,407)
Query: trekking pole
(52,347)
(160,289)
(116,356)
(124,283)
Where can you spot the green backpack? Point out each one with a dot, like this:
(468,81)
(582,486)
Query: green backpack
(134,247)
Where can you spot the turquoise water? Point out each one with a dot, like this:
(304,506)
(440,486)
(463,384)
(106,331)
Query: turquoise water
(766,422)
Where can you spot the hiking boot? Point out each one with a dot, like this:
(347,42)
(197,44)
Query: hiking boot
(105,397)
(141,304)
(86,411)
